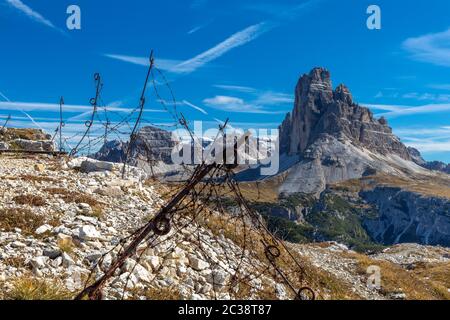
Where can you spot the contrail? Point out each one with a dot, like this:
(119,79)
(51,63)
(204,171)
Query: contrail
(28,116)
(32,120)
(4,97)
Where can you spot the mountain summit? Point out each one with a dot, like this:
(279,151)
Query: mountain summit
(319,110)
(335,138)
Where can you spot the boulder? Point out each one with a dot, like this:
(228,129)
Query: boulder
(39,262)
(4,146)
(88,233)
(29,145)
(91,165)
(197,264)
(43,229)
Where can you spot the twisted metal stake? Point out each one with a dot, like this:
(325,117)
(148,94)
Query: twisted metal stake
(6,122)
(89,123)
(141,110)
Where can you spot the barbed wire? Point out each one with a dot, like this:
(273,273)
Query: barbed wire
(256,258)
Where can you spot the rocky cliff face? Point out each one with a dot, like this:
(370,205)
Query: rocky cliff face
(405,216)
(319,110)
(336,138)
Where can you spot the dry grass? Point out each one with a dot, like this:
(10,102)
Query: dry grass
(30,200)
(425,284)
(28,288)
(160,294)
(78,197)
(265,191)
(434,186)
(320,280)
(66,246)
(23,219)
(30,178)
(16,262)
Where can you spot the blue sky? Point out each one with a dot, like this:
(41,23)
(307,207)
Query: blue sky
(237,59)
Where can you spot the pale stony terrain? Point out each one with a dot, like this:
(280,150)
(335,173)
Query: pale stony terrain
(126,204)
(72,236)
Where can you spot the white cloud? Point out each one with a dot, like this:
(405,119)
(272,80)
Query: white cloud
(433,48)
(382,107)
(262,97)
(429,146)
(438,97)
(274,98)
(396,110)
(235,88)
(234,104)
(36,16)
(440,86)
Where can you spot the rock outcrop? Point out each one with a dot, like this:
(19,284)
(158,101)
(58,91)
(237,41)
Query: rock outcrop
(25,139)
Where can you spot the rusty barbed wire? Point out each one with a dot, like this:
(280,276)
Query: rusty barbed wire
(255,255)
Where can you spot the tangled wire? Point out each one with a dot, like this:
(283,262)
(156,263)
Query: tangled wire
(210,199)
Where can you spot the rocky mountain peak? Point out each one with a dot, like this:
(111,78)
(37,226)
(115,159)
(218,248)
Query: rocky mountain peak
(321,111)
(342,93)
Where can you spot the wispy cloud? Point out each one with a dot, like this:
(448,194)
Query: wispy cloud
(235,88)
(445,86)
(426,139)
(432,48)
(382,107)
(198,3)
(398,110)
(435,97)
(236,40)
(195,107)
(270,98)
(53,107)
(238,105)
(164,64)
(199,27)
(4,97)
(259,101)
(30,13)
